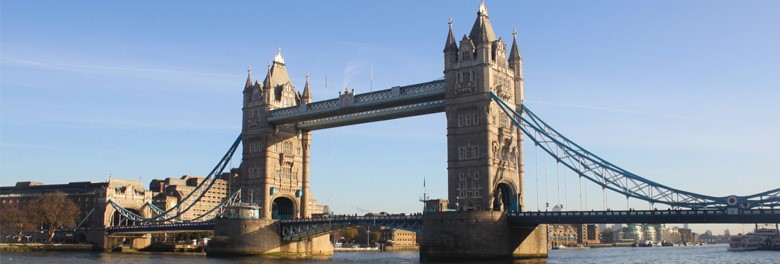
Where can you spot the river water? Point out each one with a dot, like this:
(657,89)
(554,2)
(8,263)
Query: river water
(698,254)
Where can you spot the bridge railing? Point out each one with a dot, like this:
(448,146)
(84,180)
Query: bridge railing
(732,215)
(293,229)
(209,225)
(359,218)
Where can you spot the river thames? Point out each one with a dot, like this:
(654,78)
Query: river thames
(697,254)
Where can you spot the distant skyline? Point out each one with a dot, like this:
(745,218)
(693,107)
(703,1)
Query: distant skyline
(682,93)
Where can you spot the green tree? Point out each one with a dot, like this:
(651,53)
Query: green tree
(14,219)
(55,211)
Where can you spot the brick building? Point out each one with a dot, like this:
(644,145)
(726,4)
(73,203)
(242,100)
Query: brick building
(168,193)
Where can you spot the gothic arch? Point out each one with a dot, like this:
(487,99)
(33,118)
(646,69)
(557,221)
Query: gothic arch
(284,207)
(505,197)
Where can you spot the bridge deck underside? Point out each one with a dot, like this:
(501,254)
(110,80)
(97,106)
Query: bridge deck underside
(647,217)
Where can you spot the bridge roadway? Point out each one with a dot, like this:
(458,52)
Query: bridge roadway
(162,228)
(297,229)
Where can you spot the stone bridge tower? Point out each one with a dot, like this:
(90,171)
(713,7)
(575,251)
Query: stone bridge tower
(274,171)
(484,154)
(484,147)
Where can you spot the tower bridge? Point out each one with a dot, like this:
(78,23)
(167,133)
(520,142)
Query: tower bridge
(487,124)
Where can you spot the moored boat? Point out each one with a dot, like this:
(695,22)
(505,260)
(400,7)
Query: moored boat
(760,239)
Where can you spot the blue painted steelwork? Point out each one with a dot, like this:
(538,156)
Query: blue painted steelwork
(310,227)
(154,208)
(396,102)
(162,228)
(219,209)
(174,213)
(380,114)
(647,217)
(610,176)
(84,220)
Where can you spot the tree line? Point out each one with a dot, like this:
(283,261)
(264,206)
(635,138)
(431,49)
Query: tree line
(50,212)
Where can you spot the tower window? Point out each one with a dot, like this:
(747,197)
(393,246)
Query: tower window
(468,152)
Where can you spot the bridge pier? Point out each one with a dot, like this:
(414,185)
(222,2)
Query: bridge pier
(234,237)
(479,235)
(101,240)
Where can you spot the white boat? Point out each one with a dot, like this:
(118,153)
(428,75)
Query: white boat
(760,239)
(745,243)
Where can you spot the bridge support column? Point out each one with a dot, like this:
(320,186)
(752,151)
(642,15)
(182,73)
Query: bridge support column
(479,235)
(234,237)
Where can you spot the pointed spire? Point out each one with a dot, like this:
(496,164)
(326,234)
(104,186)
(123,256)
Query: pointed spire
(482,31)
(482,9)
(306,91)
(267,81)
(514,53)
(278,58)
(450,45)
(248,77)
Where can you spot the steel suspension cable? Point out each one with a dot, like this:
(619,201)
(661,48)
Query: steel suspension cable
(536,171)
(208,181)
(558,178)
(580,190)
(565,189)
(546,186)
(609,176)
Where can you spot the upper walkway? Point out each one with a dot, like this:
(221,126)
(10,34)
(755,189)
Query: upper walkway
(350,108)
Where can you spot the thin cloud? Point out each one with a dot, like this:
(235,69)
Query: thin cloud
(112,123)
(102,68)
(351,71)
(616,110)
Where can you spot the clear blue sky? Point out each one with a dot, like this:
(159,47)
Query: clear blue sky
(685,93)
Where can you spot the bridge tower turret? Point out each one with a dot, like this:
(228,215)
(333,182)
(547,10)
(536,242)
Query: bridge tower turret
(274,170)
(482,144)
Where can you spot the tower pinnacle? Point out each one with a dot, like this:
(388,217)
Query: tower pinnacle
(482,8)
(278,58)
(306,97)
(482,31)
(450,45)
(514,53)
(248,77)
